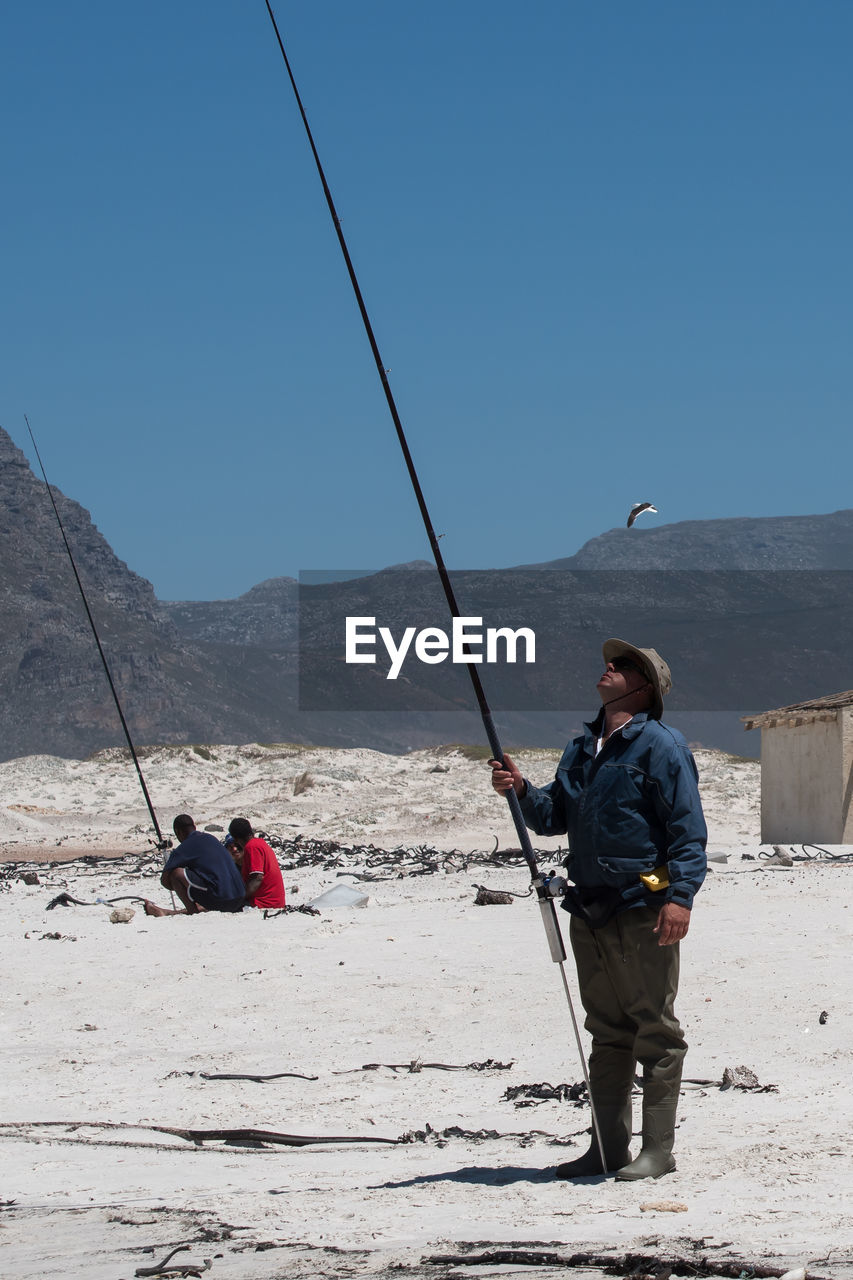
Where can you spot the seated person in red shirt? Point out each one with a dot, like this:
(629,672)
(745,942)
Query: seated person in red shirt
(258,866)
(200,872)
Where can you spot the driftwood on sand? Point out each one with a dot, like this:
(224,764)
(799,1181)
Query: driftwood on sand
(251,1137)
(637,1265)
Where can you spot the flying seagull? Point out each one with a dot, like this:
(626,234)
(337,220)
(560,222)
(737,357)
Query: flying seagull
(638,509)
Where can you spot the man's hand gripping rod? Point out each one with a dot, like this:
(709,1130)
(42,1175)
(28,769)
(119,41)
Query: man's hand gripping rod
(546,901)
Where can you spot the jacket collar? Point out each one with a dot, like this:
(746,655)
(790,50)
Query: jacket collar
(592,729)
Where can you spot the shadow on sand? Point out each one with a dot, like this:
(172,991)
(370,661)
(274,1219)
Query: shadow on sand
(485,1175)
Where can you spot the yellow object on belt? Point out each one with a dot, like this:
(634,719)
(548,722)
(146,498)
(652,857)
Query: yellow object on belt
(657,879)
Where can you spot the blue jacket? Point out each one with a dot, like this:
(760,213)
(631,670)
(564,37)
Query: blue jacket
(630,808)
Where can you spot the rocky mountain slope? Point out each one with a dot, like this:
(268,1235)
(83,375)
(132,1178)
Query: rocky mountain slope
(54,694)
(760,543)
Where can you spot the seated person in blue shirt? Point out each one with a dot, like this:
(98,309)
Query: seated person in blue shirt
(201,872)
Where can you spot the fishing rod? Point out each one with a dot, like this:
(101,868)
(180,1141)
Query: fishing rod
(161,843)
(540,883)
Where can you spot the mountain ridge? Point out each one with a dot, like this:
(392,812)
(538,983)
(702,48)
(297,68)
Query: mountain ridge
(226,670)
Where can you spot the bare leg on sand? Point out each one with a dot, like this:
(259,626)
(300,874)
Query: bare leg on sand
(177,882)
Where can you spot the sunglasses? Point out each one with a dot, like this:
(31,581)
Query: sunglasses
(627,664)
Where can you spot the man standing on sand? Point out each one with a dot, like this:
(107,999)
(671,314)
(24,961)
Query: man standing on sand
(258,866)
(626,793)
(201,872)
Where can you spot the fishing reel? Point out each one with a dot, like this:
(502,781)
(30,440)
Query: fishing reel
(554,884)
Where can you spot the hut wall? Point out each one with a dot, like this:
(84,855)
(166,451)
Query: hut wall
(802,782)
(846,727)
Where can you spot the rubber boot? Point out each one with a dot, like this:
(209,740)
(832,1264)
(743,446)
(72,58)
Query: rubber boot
(611,1078)
(614,1121)
(660,1103)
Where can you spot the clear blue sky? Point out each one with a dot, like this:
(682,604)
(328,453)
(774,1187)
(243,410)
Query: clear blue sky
(606,249)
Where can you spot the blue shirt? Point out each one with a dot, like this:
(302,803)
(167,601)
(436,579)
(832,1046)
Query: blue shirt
(208,864)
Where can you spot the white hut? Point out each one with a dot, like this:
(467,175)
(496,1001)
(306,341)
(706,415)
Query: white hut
(807,771)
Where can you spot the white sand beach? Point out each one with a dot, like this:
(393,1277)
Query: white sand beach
(111,1028)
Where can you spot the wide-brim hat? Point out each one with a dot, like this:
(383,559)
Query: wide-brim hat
(651,663)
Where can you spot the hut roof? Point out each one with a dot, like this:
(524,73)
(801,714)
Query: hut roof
(825,708)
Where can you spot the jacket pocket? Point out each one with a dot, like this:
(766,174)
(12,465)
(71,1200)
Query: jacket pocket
(616,870)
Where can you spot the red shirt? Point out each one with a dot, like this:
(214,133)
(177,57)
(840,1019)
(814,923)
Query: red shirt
(259,859)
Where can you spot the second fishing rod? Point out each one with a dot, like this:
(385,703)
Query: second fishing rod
(540,883)
(161,844)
